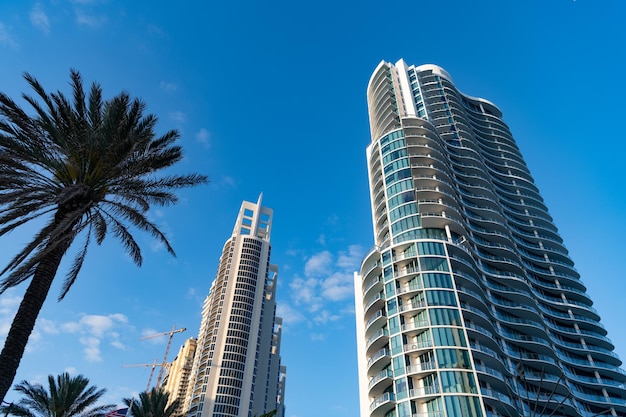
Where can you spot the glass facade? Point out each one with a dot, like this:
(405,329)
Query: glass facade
(469,304)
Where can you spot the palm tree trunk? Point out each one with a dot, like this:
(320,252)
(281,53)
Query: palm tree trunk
(24,321)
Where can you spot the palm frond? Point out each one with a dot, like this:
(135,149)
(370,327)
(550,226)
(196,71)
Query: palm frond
(79,258)
(140,221)
(121,232)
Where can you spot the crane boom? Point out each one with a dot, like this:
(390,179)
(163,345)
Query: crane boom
(153,365)
(167,351)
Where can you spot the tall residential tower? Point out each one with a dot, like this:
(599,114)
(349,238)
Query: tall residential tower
(236,370)
(469,304)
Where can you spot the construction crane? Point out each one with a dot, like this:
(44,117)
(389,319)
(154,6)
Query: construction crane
(152,365)
(167,351)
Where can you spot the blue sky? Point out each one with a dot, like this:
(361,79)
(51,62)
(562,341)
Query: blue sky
(270,97)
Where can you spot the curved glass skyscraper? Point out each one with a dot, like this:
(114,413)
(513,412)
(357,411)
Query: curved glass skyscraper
(468,305)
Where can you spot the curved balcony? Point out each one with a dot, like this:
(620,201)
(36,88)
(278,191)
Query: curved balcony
(499,376)
(441,220)
(414,328)
(378,361)
(417,347)
(594,382)
(572,332)
(376,321)
(414,307)
(376,301)
(377,341)
(382,404)
(380,382)
(501,398)
(374,284)
(423,393)
(421,369)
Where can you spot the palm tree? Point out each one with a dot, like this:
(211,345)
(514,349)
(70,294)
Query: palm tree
(68,396)
(153,403)
(91,167)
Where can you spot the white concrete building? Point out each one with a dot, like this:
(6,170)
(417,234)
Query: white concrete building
(237,370)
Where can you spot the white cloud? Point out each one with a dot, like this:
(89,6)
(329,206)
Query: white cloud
(318,264)
(317,337)
(338,286)
(9,302)
(328,281)
(168,87)
(305,292)
(92,21)
(92,329)
(99,325)
(178,116)
(203,136)
(289,314)
(325,316)
(92,348)
(350,260)
(115,342)
(226,182)
(39,18)
(6,38)
(71,327)
(47,326)
(71,370)
(148,336)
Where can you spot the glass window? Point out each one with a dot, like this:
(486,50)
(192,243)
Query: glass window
(398,175)
(405,197)
(394,166)
(396,344)
(391,136)
(435,280)
(392,307)
(386,257)
(434,406)
(457,406)
(398,365)
(404,409)
(401,390)
(434,264)
(399,187)
(394,325)
(421,234)
(453,358)
(456,381)
(431,248)
(407,223)
(392,146)
(397,154)
(388,273)
(403,211)
(440,298)
(445,336)
(444,316)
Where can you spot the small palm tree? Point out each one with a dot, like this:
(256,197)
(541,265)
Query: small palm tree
(153,403)
(91,167)
(68,396)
